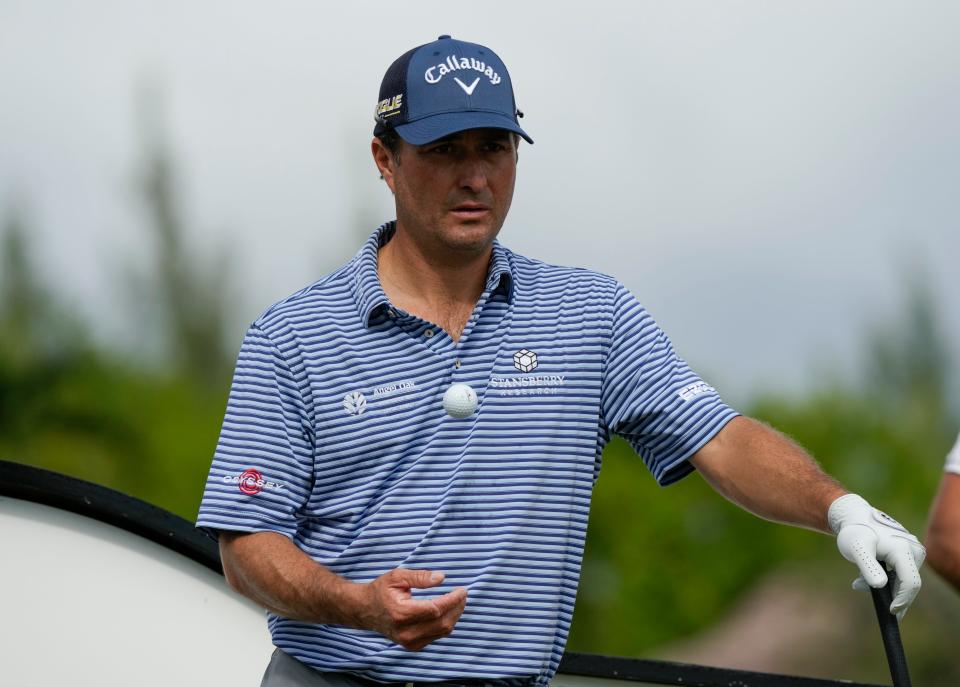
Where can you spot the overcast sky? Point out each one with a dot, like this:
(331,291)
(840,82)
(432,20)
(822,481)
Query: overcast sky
(762,175)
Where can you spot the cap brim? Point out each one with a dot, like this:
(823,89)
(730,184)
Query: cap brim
(437,126)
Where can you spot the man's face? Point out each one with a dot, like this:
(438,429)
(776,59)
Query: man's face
(452,194)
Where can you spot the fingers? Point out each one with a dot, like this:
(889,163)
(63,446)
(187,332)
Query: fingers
(908,581)
(422,610)
(417,636)
(427,610)
(419,579)
(861,585)
(865,536)
(403,580)
(451,600)
(858,545)
(415,623)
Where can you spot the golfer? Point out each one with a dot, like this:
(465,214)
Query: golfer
(394,542)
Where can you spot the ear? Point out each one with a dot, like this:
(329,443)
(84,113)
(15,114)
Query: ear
(384,160)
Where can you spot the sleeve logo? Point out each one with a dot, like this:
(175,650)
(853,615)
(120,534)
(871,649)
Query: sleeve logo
(251,482)
(691,391)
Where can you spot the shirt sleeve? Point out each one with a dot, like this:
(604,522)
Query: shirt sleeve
(953,459)
(262,470)
(652,398)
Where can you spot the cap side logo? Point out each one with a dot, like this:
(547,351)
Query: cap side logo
(467,89)
(390,106)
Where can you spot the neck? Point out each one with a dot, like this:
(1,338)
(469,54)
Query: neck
(422,280)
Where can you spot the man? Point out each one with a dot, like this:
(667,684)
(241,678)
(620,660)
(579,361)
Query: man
(943,531)
(392,542)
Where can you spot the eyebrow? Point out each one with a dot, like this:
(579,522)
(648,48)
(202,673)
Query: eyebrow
(493,135)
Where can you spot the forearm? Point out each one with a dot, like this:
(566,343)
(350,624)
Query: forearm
(943,533)
(269,569)
(765,473)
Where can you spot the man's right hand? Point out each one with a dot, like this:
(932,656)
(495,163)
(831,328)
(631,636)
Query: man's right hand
(270,569)
(389,608)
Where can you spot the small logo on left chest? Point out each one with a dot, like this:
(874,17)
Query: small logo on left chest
(355,403)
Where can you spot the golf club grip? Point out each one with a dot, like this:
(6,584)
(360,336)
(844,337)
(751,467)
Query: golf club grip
(890,631)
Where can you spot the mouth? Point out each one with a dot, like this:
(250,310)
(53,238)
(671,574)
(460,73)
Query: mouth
(470,210)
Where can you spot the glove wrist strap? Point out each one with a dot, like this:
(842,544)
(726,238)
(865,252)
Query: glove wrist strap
(843,507)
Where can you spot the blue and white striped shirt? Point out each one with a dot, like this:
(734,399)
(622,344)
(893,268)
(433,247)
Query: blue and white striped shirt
(335,436)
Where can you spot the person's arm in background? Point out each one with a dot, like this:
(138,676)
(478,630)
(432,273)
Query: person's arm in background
(765,473)
(268,568)
(943,532)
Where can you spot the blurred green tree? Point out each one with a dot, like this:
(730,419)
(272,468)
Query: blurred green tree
(909,371)
(49,375)
(191,295)
(108,416)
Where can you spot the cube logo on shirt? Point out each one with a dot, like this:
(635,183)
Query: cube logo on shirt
(525,361)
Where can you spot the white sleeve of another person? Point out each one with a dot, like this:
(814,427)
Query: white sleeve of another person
(953,459)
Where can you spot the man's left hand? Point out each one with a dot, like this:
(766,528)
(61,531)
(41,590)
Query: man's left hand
(866,536)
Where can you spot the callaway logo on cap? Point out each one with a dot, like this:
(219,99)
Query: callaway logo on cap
(444,87)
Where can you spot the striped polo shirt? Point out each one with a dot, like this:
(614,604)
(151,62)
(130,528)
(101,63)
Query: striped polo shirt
(335,436)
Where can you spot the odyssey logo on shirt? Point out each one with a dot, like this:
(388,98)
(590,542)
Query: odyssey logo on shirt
(251,482)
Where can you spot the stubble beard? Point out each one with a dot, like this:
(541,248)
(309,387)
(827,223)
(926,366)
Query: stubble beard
(453,239)
(468,238)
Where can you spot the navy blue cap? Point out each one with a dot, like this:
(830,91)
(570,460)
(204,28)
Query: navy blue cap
(444,87)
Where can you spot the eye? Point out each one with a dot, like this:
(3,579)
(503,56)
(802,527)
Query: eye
(494,146)
(440,149)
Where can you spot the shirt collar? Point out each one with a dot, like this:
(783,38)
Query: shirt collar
(369,294)
(500,276)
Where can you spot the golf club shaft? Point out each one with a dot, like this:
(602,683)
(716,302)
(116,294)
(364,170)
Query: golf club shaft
(890,631)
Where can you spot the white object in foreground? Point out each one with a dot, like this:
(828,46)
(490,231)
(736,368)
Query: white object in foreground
(88,604)
(460,401)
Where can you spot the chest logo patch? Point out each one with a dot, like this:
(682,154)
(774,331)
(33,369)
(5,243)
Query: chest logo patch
(524,360)
(355,403)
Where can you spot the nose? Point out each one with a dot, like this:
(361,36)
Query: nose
(472,174)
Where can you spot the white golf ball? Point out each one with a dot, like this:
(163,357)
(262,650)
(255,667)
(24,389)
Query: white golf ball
(460,401)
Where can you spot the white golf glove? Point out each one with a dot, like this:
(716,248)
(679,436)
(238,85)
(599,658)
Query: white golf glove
(866,536)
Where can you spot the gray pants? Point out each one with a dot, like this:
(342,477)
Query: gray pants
(286,671)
